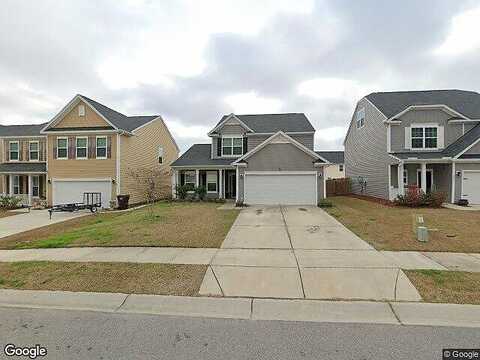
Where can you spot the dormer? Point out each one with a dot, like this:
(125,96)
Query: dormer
(229,138)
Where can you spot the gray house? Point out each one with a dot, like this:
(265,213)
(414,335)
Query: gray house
(426,138)
(257,159)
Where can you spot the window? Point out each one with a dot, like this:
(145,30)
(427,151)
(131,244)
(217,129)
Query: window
(189,178)
(62,148)
(160,155)
(340,167)
(360,118)
(101,147)
(424,137)
(33,150)
(35,186)
(16,185)
(81,147)
(81,110)
(405,177)
(13,148)
(212,182)
(232,146)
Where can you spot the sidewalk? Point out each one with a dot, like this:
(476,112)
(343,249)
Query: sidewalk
(253,309)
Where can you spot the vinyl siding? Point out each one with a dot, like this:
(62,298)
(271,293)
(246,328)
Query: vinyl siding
(305,139)
(226,130)
(141,152)
(442,176)
(474,150)
(333,172)
(366,153)
(24,148)
(91,118)
(458,179)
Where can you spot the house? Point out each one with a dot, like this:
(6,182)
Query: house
(430,139)
(86,147)
(337,168)
(257,159)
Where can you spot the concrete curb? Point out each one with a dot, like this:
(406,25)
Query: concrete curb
(248,308)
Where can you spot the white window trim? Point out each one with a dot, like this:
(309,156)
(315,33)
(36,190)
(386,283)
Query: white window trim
(86,148)
(213,173)
(38,186)
(58,148)
(185,177)
(160,155)
(17,186)
(423,126)
(419,173)
(360,111)
(96,147)
(232,137)
(10,151)
(341,167)
(30,151)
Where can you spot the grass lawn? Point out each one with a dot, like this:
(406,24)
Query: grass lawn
(456,287)
(4,213)
(391,228)
(163,224)
(163,279)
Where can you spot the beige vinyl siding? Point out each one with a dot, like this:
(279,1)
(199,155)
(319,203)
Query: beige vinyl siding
(23,144)
(141,151)
(333,172)
(91,118)
(366,153)
(81,169)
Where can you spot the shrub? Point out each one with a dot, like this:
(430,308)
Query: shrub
(201,192)
(325,204)
(182,191)
(9,202)
(415,197)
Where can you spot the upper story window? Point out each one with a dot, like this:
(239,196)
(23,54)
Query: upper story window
(62,148)
(424,137)
(81,147)
(81,110)
(33,150)
(13,148)
(101,147)
(160,155)
(360,118)
(232,146)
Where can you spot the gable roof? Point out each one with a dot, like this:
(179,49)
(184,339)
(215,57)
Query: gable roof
(272,123)
(463,142)
(200,154)
(390,104)
(21,130)
(335,157)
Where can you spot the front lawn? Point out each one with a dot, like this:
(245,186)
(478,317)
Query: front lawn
(128,278)
(455,287)
(5,213)
(164,224)
(391,228)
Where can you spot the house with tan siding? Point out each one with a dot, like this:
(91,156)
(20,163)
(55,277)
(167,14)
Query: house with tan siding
(86,147)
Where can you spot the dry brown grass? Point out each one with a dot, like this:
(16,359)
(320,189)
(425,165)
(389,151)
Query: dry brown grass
(455,287)
(4,213)
(162,279)
(167,224)
(391,228)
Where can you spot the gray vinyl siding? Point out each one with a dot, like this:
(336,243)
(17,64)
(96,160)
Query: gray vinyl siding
(458,179)
(305,139)
(366,153)
(226,130)
(474,149)
(442,176)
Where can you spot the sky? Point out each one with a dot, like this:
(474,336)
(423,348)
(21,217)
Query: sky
(193,61)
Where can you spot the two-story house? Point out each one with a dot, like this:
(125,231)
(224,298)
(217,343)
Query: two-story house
(86,147)
(430,139)
(257,159)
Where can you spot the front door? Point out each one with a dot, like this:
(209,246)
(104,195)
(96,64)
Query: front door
(230,184)
(429,179)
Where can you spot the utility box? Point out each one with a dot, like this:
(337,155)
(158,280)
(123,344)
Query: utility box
(422,233)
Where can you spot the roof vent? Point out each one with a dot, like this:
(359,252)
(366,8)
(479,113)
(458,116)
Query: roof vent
(81,110)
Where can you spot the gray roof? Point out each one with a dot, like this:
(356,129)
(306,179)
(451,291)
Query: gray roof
(463,142)
(391,103)
(200,154)
(21,130)
(23,167)
(335,157)
(271,123)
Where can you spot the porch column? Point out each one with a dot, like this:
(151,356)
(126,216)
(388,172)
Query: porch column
(453,183)
(10,190)
(197,177)
(220,184)
(401,187)
(424,177)
(174,183)
(30,190)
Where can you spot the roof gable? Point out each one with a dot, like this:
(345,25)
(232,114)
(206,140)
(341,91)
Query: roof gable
(231,119)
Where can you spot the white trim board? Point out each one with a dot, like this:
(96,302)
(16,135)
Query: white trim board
(222,123)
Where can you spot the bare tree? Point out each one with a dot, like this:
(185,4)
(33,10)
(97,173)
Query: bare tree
(153,184)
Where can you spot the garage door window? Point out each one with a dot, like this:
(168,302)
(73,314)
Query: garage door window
(82,143)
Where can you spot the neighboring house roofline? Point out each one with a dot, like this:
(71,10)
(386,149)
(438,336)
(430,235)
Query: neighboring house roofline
(222,123)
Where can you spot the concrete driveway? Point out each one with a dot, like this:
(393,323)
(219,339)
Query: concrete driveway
(34,219)
(301,252)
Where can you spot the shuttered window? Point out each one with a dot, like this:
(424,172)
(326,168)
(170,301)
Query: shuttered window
(33,150)
(14,150)
(62,148)
(101,147)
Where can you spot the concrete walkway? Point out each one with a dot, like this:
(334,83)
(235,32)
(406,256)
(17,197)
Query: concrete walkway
(34,219)
(247,308)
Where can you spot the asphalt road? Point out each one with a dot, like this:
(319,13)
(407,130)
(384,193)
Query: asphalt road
(94,335)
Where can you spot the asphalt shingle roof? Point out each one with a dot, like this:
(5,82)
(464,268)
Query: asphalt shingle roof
(463,142)
(271,123)
(21,130)
(23,167)
(200,154)
(335,157)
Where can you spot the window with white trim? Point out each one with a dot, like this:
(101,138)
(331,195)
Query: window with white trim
(160,155)
(232,146)
(340,167)
(212,181)
(62,148)
(101,147)
(13,148)
(35,186)
(81,145)
(33,150)
(16,185)
(424,137)
(405,177)
(360,118)
(189,178)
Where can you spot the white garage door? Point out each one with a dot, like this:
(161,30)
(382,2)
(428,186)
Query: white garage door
(471,186)
(272,188)
(69,191)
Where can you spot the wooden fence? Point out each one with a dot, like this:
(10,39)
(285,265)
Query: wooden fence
(338,187)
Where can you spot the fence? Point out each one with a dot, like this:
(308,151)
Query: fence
(338,187)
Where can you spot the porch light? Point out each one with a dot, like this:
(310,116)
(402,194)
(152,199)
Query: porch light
(459,173)
(49,181)
(113,181)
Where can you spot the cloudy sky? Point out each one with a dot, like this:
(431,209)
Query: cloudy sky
(192,61)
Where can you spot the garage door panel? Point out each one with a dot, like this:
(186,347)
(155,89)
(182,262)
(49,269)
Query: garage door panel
(65,192)
(285,189)
(471,187)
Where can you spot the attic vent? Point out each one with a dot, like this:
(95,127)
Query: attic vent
(81,110)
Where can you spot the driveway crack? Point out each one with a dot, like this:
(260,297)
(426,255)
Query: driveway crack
(123,302)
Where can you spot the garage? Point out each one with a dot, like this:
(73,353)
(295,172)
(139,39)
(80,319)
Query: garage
(280,188)
(470,186)
(71,191)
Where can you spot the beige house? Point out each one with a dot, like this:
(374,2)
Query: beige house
(86,147)
(336,169)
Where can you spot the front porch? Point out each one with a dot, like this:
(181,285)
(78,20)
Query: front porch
(220,183)
(27,187)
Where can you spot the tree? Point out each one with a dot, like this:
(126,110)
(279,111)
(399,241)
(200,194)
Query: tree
(153,184)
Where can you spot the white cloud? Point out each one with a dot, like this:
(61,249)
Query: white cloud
(464,34)
(250,103)
(333,88)
(187,132)
(331,134)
